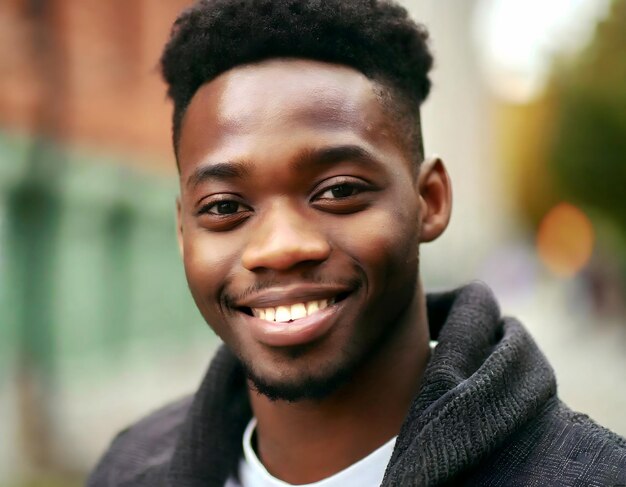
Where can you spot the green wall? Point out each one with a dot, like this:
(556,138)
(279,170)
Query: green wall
(90,274)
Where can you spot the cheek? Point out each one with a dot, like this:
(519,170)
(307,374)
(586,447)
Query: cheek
(208,265)
(385,243)
(207,261)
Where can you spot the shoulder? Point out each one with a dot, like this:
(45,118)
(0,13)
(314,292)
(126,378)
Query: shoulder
(559,448)
(142,449)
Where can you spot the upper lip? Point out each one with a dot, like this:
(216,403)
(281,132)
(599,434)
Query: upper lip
(292,294)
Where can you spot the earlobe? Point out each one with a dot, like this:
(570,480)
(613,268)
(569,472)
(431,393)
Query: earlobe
(179,227)
(435,192)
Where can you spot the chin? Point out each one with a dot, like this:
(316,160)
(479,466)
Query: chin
(297,375)
(301,388)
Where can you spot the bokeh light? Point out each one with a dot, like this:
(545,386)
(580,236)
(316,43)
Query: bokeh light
(565,240)
(517,41)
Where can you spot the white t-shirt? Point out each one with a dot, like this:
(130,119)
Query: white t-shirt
(367,472)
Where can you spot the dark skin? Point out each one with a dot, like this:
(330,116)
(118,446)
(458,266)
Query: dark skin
(296,186)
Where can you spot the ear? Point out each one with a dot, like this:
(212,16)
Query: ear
(179,227)
(435,193)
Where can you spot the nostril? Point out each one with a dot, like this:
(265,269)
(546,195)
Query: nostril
(283,260)
(282,246)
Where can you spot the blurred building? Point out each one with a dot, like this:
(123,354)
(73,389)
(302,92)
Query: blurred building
(86,71)
(95,317)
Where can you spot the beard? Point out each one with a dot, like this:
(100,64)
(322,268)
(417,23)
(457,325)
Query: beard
(308,386)
(322,381)
(316,383)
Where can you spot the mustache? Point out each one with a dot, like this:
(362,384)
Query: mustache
(230,298)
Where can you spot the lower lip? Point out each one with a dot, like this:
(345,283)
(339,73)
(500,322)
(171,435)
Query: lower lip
(297,332)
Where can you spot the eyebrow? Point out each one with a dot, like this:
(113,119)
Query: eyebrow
(326,156)
(221,171)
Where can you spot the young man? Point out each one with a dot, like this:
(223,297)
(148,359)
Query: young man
(304,197)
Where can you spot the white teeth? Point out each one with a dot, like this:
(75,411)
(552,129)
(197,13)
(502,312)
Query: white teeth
(312,307)
(293,312)
(298,311)
(282,313)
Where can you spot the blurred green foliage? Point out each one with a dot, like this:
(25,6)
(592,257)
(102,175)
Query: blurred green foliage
(587,154)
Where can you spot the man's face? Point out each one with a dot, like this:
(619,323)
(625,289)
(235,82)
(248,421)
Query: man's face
(299,220)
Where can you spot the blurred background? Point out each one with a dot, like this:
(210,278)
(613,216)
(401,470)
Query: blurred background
(96,325)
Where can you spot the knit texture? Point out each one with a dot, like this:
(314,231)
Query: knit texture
(486,414)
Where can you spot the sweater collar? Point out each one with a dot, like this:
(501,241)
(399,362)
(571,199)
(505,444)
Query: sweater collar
(485,379)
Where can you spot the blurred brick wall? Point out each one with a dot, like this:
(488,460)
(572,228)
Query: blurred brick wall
(86,71)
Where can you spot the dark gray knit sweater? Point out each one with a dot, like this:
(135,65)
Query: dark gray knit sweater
(487,414)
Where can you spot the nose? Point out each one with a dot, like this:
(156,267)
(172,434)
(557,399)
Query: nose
(282,238)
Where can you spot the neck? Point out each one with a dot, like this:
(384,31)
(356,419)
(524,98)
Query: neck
(306,441)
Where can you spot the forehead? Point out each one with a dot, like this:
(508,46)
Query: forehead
(283,100)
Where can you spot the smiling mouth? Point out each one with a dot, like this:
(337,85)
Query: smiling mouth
(287,313)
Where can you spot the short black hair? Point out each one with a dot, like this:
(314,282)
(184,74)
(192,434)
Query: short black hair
(375,37)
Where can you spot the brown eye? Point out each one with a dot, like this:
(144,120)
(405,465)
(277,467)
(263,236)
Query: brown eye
(345,196)
(340,191)
(225,207)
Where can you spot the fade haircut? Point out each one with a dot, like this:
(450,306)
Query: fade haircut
(375,37)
